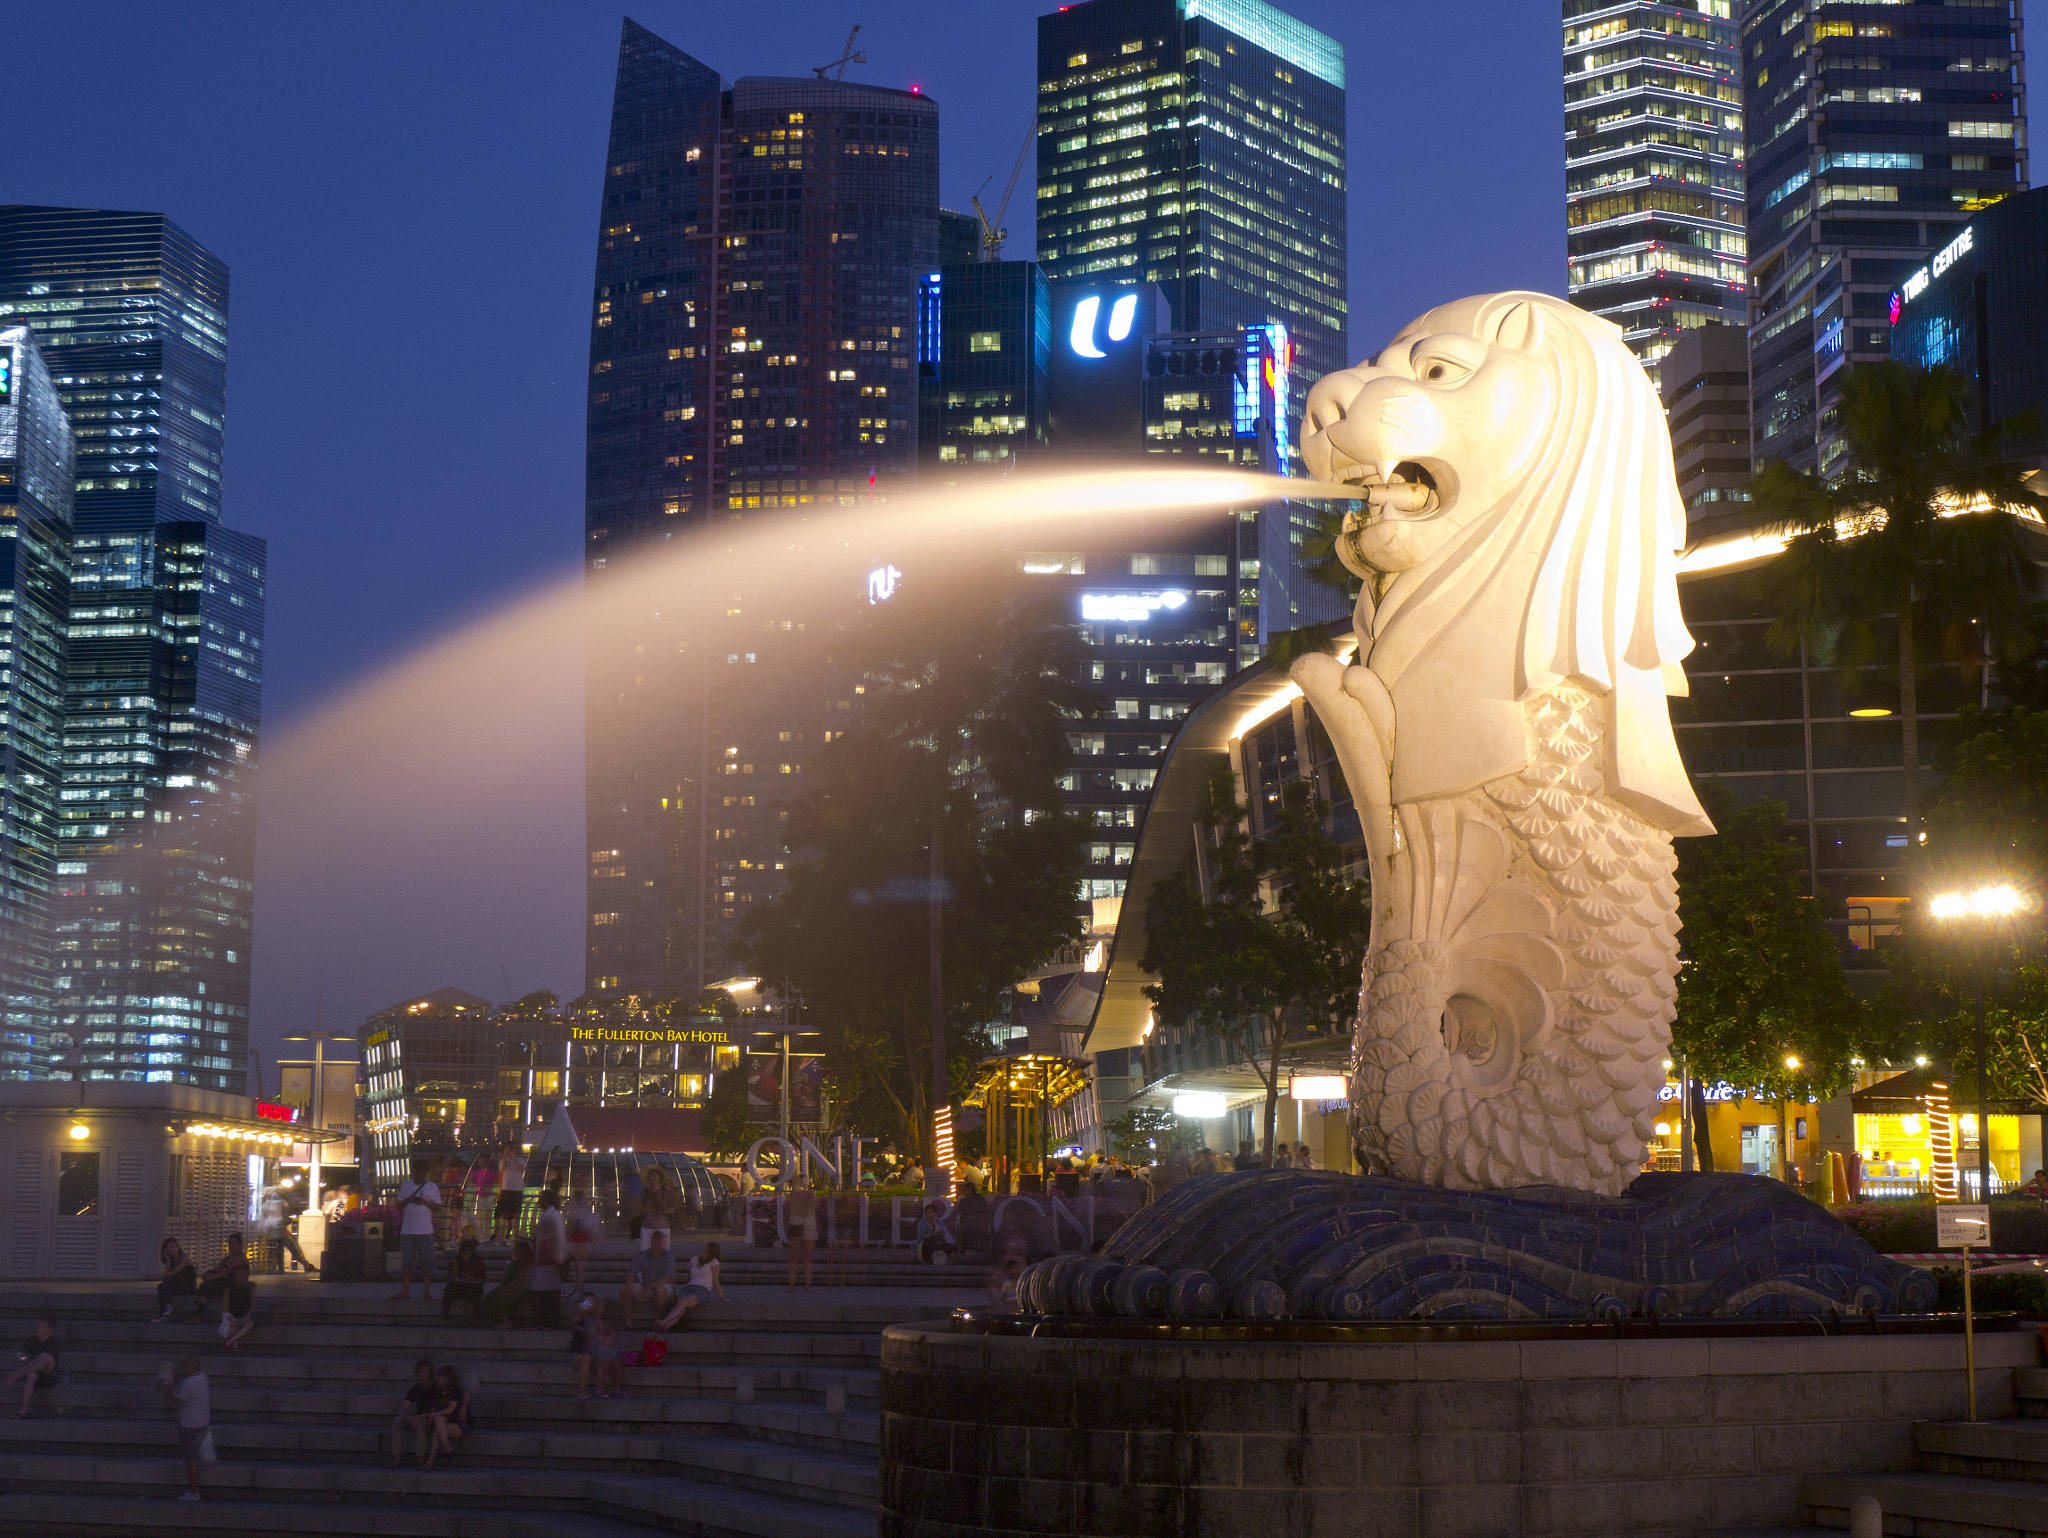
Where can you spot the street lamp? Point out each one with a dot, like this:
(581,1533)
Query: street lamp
(1986,905)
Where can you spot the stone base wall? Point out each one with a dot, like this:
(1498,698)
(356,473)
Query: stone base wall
(1008,1435)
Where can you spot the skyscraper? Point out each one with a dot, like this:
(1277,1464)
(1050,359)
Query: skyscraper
(156,858)
(1199,145)
(753,332)
(1874,133)
(1653,167)
(35,586)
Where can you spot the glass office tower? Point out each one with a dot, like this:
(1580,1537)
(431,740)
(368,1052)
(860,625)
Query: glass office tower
(1199,145)
(35,585)
(1653,167)
(1875,133)
(156,860)
(984,358)
(753,331)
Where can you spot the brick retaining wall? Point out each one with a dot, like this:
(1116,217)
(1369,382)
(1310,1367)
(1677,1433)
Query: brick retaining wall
(1000,1435)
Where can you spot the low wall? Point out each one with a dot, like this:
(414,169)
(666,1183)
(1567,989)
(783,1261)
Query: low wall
(1113,1438)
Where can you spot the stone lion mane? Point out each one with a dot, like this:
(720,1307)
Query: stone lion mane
(1582,551)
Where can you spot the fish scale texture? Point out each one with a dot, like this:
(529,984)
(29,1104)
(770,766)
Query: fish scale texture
(1516,1034)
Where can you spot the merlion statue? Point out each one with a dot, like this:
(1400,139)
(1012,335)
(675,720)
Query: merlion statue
(1505,734)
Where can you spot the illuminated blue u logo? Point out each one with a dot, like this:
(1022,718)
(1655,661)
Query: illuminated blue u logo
(1082,337)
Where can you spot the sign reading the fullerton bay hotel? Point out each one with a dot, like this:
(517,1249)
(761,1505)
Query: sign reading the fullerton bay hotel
(662,1034)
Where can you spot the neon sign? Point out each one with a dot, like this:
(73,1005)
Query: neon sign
(882,583)
(1946,258)
(1082,335)
(1133,608)
(266,1111)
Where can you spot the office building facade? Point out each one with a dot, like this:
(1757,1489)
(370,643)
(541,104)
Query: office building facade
(1980,307)
(35,600)
(753,332)
(156,862)
(984,339)
(1874,134)
(1705,385)
(1653,167)
(1199,145)
(429,1077)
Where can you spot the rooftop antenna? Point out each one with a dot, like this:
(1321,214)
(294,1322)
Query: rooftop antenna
(838,65)
(992,231)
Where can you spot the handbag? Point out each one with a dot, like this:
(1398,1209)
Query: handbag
(653,1351)
(207,1452)
(227,1325)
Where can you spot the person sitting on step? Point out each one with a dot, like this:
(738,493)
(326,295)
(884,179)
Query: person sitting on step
(701,1287)
(38,1365)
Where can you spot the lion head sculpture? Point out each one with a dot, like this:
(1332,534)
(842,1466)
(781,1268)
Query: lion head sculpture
(1523,529)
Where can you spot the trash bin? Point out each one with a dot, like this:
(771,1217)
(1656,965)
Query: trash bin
(354,1253)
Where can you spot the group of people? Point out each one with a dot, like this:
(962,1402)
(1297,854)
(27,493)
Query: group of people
(227,1282)
(435,1409)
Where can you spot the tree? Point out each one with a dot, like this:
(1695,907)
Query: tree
(1886,538)
(725,1115)
(978,705)
(1988,824)
(1147,1135)
(1762,1002)
(1272,949)
(849,934)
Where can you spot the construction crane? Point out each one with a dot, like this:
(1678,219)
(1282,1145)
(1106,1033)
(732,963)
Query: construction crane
(992,231)
(838,65)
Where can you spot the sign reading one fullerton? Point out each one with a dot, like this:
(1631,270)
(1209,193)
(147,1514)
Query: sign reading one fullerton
(664,1034)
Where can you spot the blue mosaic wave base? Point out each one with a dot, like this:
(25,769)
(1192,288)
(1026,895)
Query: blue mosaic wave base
(1310,1244)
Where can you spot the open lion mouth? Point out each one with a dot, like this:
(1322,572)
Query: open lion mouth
(1409,489)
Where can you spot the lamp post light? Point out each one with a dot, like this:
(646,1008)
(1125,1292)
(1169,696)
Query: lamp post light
(1986,906)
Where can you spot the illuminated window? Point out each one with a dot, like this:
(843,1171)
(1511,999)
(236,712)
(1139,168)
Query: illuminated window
(1076,60)
(985,341)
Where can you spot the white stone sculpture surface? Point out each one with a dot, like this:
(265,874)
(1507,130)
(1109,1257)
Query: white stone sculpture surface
(1506,736)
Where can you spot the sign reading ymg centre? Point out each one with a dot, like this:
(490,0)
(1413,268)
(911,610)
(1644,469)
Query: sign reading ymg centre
(662,1034)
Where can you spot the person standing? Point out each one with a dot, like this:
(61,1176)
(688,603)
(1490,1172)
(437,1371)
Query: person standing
(1301,1159)
(659,1204)
(191,1395)
(550,1242)
(511,1192)
(800,1215)
(418,1200)
(582,1223)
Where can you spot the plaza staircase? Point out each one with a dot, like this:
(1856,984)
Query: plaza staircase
(762,1422)
(1971,1479)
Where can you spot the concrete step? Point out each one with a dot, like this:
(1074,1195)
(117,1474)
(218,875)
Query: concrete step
(2030,1388)
(815,1480)
(284,1430)
(260,1357)
(2000,1449)
(680,1390)
(1953,1505)
(676,1506)
(857,1429)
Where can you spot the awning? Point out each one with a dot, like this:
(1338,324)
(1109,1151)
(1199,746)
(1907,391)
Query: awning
(1905,1094)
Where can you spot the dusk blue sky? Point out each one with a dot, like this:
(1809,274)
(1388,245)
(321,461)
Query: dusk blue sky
(407,197)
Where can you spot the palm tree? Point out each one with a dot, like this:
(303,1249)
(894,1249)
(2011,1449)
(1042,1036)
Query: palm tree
(985,699)
(1890,534)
